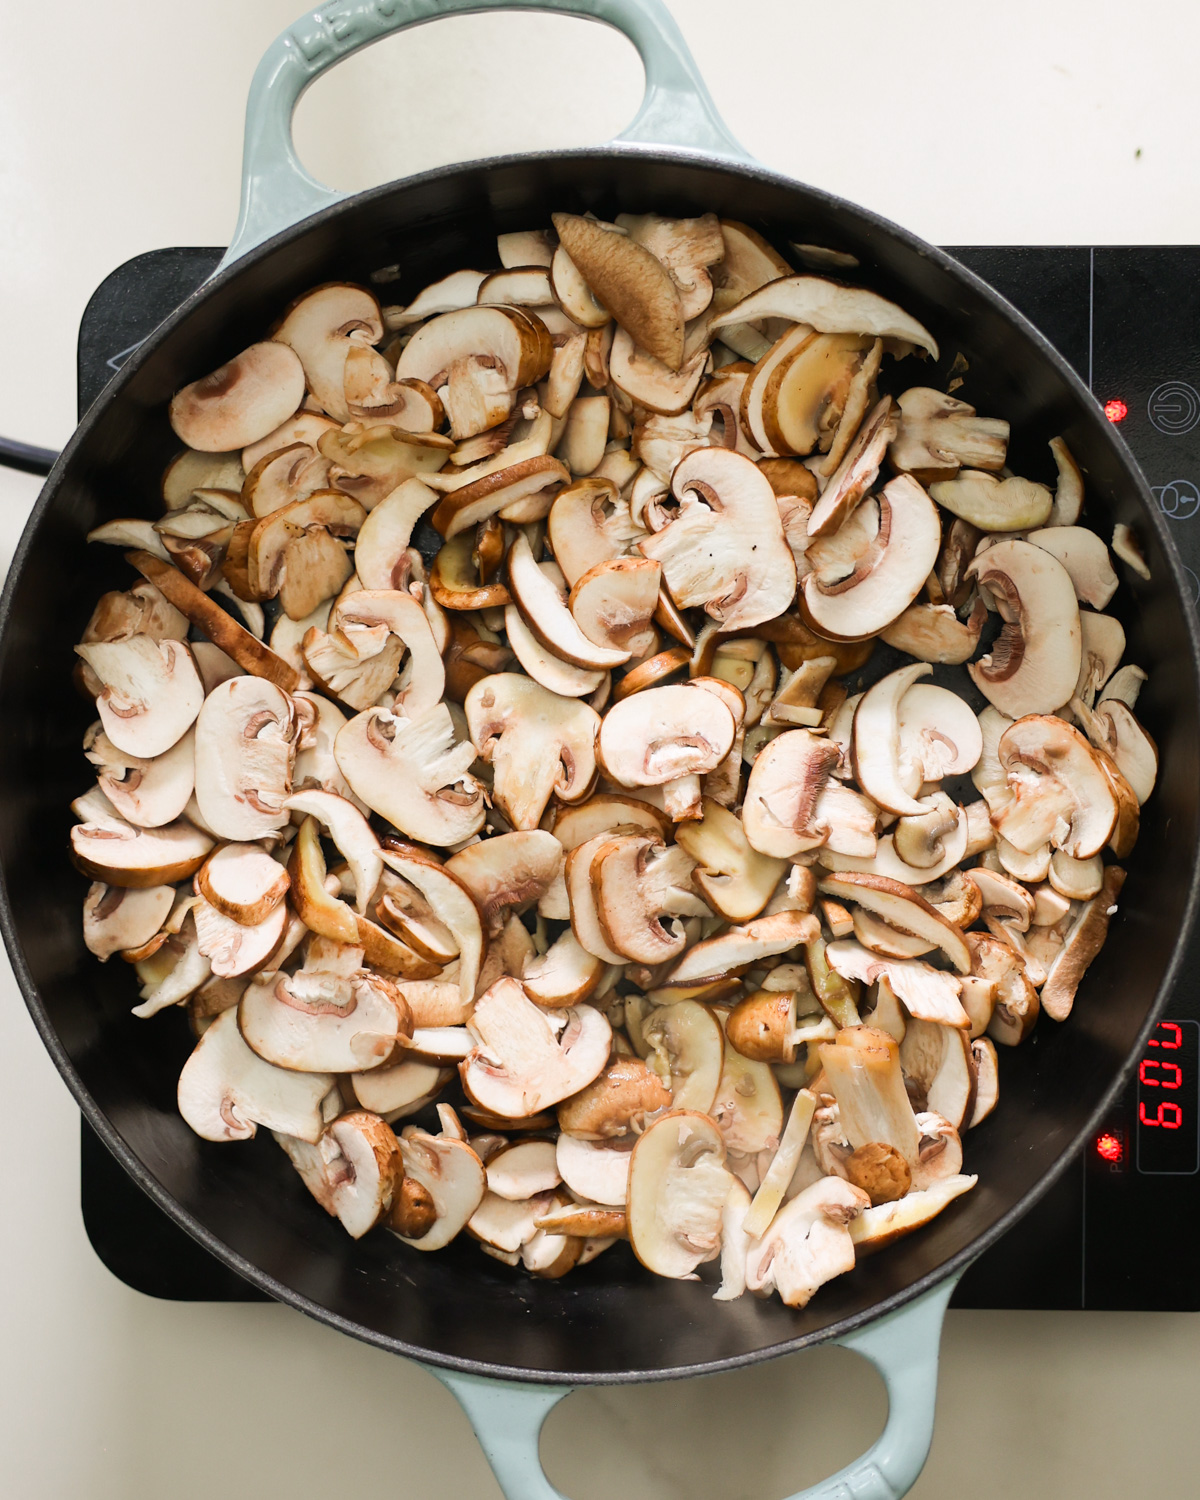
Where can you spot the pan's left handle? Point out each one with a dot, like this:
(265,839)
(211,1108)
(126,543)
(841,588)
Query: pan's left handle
(276,189)
(508,1418)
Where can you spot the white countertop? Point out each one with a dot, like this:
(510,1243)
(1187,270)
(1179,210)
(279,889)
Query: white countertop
(1037,122)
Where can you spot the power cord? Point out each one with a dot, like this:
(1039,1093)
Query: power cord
(26,457)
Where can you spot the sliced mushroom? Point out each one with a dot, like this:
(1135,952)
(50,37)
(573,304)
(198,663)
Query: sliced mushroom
(320,1021)
(510,342)
(1034,663)
(880,1226)
(245,748)
(147,792)
(443,1186)
(241,401)
(829,308)
(781,814)
(939,1068)
(1113,729)
(994,504)
(1063,792)
(614,603)
(523,1170)
(400,1090)
(864,1072)
(150,692)
(667,736)
(738,947)
(678,1183)
(566,974)
(934,633)
(747,1108)
(1083,941)
(807,1243)
(1016,1004)
(629,281)
(353,1170)
(242,882)
(351,832)
(928,993)
(623,1096)
(938,436)
(734,878)
(116,919)
(1085,558)
(687,1051)
(506,871)
(638,885)
(589,524)
(120,854)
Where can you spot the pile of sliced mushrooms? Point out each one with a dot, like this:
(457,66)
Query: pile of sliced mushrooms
(574,832)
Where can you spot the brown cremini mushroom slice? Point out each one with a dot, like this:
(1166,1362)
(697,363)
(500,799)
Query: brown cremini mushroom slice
(566,974)
(320,327)
(226,1091)
(371,460)
(513,345)
(1082,942)
(888,575)
(934,633)
(352,1171)
(1113,728)
(242,882)
(734,878)
(372,395)
(148,792)
(526,1059)
(1016,1005)
(597,1170)
(455,579)
(321,1021)
(725,500)
(639,886)
(939,1070)
(687,1051)
(781,814)
(295,552)
(538,744)
(241,401)
(628,280)
(573,294)
(380,548)
(150,692)
(619,1100)
(400,1090)
(443,1186)
(669,737)
(106,847)
(508,870)
(901,907)
(877,1227)
(678,1183)
(546,613)
(987,1079)
(1033,664)
(367,618)
(116,919)
(413,772)
(352,834)
(547,669)
(738,947)
(1063,791)
(939,435)
(1127,546)
(1103,646)
(589,523)
(283,476)
(888,776)
(856,473)
(614,603)
(807,1243)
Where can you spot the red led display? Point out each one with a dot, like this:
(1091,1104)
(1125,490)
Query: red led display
(1116,411)
(1167,1102)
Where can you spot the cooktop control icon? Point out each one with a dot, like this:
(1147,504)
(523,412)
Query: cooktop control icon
(1180,500)
(1174,407)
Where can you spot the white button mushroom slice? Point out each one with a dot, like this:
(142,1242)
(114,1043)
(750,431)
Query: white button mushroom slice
(1049,906)
(1062,790)
(525,247)
(148,792)
(548,670)
(1114,729)
(398,1091)
(321,326)
(857,471)
(121,854)
(538,744)
(939,1068)
(518,489)
(241,401)
(1085,557)
(1084,939)
(404,910)
(738,947)
(889,942)
(889,574)
(747,1107)
(226,1091)
(452,902)
(353,1171)
(665,735)
(1127,546)
(1034,663)
(880,1226)
(993,504)
(934,633)
(1068,496)
(588,524)
(938,435)
(413,772)
(1007,905)
(830,308)
(928,993)
(887,862)
(508,870)
(890,766)
(384,537)
(443,1187)
(566,974)
(371,461)
(245,748)
(706,552)
(678,1184)
(638,883)
(526,1059)
(807,1243)
(735,879)
(781,811)
(900,906)
(523,1170)
(582,445)
(1103,646)
(452,292)
(352,834)
(151,692)
(235,948)
(1076,879)
(115,919)
(987,1080)
(546,613)
(289,473)
(174,971)
(597,1171)
(372,395)
(938,732)
(687,1051)
(314,1022)
(242,882)
(191,470)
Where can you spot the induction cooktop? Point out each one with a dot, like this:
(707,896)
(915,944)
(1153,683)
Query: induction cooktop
(1113,1232)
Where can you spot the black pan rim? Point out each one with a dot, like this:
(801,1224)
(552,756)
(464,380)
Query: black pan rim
(952,1267)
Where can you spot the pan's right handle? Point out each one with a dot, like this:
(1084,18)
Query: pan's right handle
(277,191)
(903,1347)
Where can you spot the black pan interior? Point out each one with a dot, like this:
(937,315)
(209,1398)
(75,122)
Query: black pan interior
(611,1321)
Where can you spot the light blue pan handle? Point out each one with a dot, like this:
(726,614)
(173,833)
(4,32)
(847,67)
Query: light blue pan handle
(903,1347)
(277,191)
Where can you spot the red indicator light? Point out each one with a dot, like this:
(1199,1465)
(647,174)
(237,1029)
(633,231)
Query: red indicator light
(1110,1147)
(1116,411)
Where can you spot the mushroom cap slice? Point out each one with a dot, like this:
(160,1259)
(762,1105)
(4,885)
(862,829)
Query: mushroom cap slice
(887,576)
(148,792)
(115,918)
(151,692)
(614,603)
(399,1090)
(381,545)
(901,907)
(447,1179)
(938,732)
(245,748)
(939,1067)
(807,1243)
(928,993)
(747,1108)
(452,902)
(516,341)
(678,1184)
(241,401)
(242,882)
(226,1090)
(630,282)
(663,733)
(549,671)
(581,899)
(738,947)
(539,744)
(565,974)
(320,326)
(589,524)
(234,948)
(734,878)
(366,612)
(994,504)
(353,1171)
(546,613)
(725,549)
(781,810)
(1063,791)
(939,435)
(1033,665)
(526,1059)
(413,772)
(133,858)
(637,881)
(351,832)
(618,1101)
(523,1170)
(1085,558)
(317,1022)
(1084,939)
(934,633)
(828,307)
(882,1225)
(507,870)
(857,471)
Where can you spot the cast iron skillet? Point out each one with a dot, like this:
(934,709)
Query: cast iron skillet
(458,1310)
